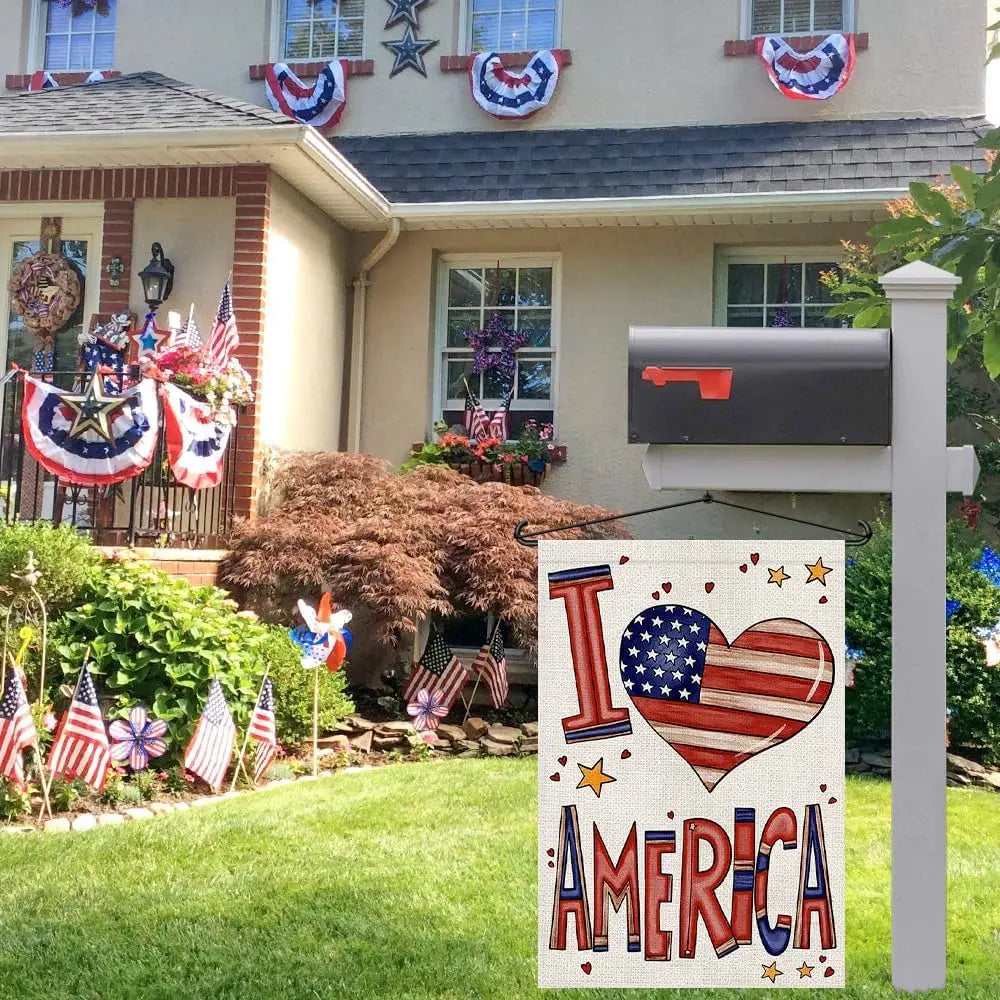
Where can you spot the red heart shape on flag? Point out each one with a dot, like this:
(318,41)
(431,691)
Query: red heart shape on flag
(823,599)
(586,966)
(828,972)
(831,801)
(709,587)
(666,588)
(822,788)
(626,754)
(755,557)
(656,595)
(743,568)
(555,777)
(562,761)
(552,864)
(670,814)
(623,560)
(716,703)
(822,959)
(551,852)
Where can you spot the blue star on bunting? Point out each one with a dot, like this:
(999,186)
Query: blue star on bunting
(409,52)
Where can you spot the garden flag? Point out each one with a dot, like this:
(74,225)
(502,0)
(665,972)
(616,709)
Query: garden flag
(90,438)
(691,777)
(196,439)
(809,76)
(262,730)
(17,729)
(81,748)
(439,670)
(519,93)
(211,748)
(490,665)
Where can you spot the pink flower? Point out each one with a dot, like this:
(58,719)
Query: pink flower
(50,722)
(427,710)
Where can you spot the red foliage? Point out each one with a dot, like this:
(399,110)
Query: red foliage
(430,542)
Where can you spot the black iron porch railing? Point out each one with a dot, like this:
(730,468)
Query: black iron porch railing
(150,509)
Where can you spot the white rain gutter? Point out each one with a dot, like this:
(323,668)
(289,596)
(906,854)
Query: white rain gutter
(360,285)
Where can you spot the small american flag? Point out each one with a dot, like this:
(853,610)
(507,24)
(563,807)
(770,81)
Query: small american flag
(225,337)
(439,670)
(188,336)
(491,665)
(499,424)
(477,424)
(715,704)
(81,748)
(262,730)
(17,730)
(211,748)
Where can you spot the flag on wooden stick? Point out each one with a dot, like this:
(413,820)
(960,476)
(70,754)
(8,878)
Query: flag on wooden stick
(438,670)
(17,729)
(189,335)
(262,730)
(477,424)
(81,748)
(490,665)
(225,337)
(500,421)
(211,748)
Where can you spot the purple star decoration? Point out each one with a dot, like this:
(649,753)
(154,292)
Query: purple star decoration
(137,738)
(495,346)
(427,710)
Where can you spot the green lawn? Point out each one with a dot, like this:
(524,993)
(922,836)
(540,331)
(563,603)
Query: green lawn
(411,883)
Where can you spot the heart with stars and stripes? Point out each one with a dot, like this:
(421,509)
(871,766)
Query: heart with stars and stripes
(717,703)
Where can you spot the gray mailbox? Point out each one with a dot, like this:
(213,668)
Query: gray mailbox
(724,385)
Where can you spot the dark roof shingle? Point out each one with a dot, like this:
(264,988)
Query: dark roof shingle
(629,163)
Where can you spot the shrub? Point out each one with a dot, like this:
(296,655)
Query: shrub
(13,801)
(973,689)
(63,557)
(63,795)
(279,772)
(293,690)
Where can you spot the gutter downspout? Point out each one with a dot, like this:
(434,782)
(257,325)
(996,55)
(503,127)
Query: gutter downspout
(360,285)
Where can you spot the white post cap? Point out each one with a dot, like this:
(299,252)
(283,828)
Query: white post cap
(920,280)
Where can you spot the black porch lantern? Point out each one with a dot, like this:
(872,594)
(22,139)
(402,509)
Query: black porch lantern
(157,278)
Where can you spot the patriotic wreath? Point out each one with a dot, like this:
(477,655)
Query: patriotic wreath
(809,76)
(45,291)
(320,105)
(504,94)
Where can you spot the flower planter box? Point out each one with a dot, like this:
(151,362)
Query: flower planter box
(514,473)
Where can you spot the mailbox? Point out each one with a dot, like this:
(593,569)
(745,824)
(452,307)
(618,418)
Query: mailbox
(760,386)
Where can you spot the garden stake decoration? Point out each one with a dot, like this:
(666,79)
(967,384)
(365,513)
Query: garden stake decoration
(724,709)
(135,739)
(241,759)
(324,639)
(28,609)
(17,732)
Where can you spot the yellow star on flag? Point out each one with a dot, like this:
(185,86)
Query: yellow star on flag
(778,576)
(771,971)
(594,777)
(818,571)
(805,970)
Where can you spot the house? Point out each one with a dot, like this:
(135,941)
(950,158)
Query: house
(666,181)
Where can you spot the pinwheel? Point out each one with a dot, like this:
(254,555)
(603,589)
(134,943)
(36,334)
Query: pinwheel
(427,710)
(137,738)
(324,637)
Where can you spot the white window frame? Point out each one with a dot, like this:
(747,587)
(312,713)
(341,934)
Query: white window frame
(36,40)
(465,26)
(276,47)
(488,260)
(726,255)
(746,20)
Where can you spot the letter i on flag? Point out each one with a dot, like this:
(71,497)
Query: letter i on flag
(81,748)
(211,748)
(262,731)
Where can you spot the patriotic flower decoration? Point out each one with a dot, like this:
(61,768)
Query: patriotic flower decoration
(320,105)
(808,76)
(324,638)
(427,710)
(222,387)
(137,738)
(506,94)
(495,346)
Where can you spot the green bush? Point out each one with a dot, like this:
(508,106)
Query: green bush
(63,557)
(973,689)
(293,690)
(13,801)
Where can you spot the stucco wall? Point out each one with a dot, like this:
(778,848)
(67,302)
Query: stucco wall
(611,278)
(655,62)
(197,236)
(306,301)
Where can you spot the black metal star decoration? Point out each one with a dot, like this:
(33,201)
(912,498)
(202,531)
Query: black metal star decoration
(404,10)
(409,52)
(93,409)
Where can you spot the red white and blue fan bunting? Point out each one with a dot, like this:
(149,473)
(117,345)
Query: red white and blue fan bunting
(89,459)
(320,105)
(504,94)
(809,76)
(196,441)
(43,80)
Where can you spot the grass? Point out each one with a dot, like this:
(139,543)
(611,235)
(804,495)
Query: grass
(409,883)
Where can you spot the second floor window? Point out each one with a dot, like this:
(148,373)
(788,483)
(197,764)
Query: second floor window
(82,41)
(797,17)
(322,29)
(513,25)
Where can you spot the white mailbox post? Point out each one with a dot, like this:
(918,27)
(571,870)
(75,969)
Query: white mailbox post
(918,470)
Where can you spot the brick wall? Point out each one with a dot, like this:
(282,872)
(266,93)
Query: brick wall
(198,567)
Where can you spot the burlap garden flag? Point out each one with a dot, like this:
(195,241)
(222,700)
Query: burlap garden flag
(691,764)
